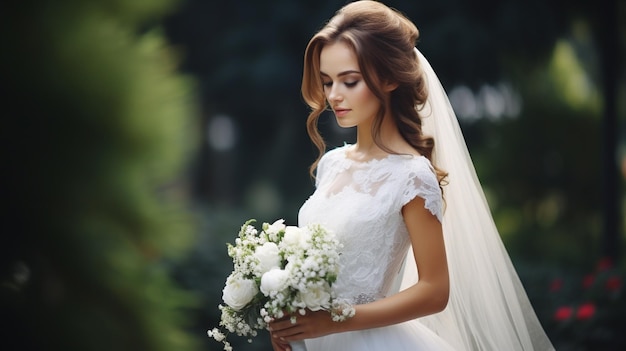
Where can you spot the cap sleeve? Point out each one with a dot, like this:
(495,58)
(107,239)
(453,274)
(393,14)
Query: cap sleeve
(421,181)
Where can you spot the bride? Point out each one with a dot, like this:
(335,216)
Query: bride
(422,262)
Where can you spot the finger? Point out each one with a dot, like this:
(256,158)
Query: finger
(281,325)
(288,335)
(280,345)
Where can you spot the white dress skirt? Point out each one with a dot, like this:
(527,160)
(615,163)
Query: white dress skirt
(408,336)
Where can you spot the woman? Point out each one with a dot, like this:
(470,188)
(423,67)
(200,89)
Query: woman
(383,197)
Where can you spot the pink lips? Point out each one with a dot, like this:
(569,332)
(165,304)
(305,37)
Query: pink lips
(340,112)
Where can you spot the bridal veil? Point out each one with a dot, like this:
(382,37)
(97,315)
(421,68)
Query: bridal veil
(488,307)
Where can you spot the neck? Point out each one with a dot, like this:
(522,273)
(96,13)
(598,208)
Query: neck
(389,136)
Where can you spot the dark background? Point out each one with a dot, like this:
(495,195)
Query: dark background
(138,136)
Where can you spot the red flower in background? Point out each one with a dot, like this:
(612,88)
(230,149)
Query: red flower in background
(556,284)
(563,313)
(585,311)
(588,281)
(588,307)
(613,283)
(605,264)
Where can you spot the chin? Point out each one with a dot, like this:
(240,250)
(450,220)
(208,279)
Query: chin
(343,124)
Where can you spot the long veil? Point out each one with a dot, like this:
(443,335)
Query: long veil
(488,307)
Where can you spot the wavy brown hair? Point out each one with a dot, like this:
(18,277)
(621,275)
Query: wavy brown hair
(383,40)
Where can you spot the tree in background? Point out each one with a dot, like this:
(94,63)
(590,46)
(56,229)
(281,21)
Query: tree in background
(96,130)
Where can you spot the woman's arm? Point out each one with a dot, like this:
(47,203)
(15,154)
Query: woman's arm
(428,296)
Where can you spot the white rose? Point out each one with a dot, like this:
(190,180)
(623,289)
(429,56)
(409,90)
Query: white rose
(268,256)
(316,298)
(274,281)
(293,236)
(238,292)
(275,227)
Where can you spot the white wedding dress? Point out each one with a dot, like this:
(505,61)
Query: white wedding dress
(361,202)
(488,309)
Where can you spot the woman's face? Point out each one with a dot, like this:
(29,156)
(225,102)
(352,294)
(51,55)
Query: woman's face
(352,101)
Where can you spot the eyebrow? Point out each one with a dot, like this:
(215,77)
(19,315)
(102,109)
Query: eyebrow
(341,73)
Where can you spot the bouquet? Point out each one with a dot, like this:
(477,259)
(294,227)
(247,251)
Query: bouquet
(279,271)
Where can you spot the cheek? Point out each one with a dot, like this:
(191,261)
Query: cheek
(364,94)
(365,98)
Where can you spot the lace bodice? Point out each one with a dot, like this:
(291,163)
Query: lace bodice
(361,202)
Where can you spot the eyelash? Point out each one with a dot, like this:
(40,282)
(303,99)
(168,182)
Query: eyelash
(348,84)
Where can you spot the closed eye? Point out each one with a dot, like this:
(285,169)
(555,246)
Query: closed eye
(347,84)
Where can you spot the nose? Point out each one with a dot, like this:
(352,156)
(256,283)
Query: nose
(334,94)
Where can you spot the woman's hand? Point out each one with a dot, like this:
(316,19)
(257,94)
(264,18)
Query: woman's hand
(308,326)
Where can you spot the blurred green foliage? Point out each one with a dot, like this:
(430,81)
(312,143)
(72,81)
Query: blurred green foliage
(535,167)
(97,131)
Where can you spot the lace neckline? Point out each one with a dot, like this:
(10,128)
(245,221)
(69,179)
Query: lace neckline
(346,147)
